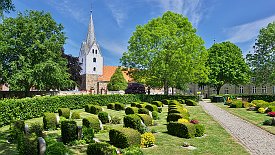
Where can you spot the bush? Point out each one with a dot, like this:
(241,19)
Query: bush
(183,130)
(147,139)
(101,148)
(111,106)
(155,115)
(260,104)
(268,122)
(49,121)
(57,148)
(246,104)
(68,131)
(141,105)
(173,102)
(151,107)
(159,109)
(199,130)
(236,104)
(271,108)
(37,128)
(165,101)
(134,104)
(75,115)
(119,106)
(88,134)
(143,111)
(146,119)
(16,130)
(116,120)
(133,121)
(131,110)
(125,137)
(65,112)
(157,103)
(182,120)
(181,101)
(178,110)
(91,122)
(261,110)
(174,117)
(104,117)
(27,144)
(95,109)
(132,151)
(190,102)
(88,107)
(271,114)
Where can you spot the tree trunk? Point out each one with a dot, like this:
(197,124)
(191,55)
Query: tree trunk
(172,90)
(149,88)
(165,87)
(218,89)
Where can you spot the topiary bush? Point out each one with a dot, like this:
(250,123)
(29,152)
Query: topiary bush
(147,139)
(143,111)
(57,148)
(181,101)
(271,108)
(101,148)
(157,103)
(134,104)
(124,137)
(95,109)
(27,144)
(88,107)
(49,121)
(119,106)
(111,106)
(68,131)
(261,110)
(183,130)
(88,134)
(271,114)
(116,120)
(91,122)
(146,119)
(151,107)
(155,115)
(190,102)
(174,117)
(65,112)
(141,105)
(133,121)
(173,102)
(260,104)
(165,101)
(236,104)
(131,110)
(267,122)
(75,115)
(104,117)
(200,129)
(37,128)
(132,151)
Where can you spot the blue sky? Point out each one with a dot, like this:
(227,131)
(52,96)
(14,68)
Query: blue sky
(238,21)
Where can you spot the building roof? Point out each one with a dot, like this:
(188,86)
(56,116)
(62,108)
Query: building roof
(108,72)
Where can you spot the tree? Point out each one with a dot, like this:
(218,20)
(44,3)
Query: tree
(166,52)
(117,81)
(227,66)
(30,54)
(6,6)
(262,60)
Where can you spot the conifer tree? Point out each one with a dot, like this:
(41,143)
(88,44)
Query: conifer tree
(117,81)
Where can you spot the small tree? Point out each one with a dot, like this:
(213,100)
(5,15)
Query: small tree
(117,81)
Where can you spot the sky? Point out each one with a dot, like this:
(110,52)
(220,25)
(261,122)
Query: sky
(238,21)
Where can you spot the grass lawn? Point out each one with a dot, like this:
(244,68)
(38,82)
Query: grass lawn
(216,140)
(250,116)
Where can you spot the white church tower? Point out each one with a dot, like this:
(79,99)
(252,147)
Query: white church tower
(91,60)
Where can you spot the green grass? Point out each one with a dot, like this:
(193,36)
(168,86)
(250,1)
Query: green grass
(250,116)
(216,140)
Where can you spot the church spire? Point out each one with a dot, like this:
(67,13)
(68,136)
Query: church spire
(91,32)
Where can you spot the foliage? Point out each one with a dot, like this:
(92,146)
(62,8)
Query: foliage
(111,106)
(190,102)
(16,130)
(75,115)
(271,114)
(133,121)
(119,106)
(165,101)
(181,101)
(27,144)
(147,139)
(155,115)
(157,103)
(6,6)
(260,104)
(183,130)
(65,112)
(88,134)
(151,107)
(173,102)
(166,52)
(262,60)
(91,122)
(132,151)
(131,110)
(68,131)
(267,122)
(182,120)
(134,104)
(103,117)
(57,148)
(135,88)
(146,119)
(124,137)
(101,148)
(30,52)
(227,65)
(117,81)
(236,104)
(200,129)
(261,110)
(143,111)
(174,117)
(95,109)
(37,128)
(116,120)
(49,121)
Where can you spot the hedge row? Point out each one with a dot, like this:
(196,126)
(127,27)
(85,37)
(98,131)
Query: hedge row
(250,98)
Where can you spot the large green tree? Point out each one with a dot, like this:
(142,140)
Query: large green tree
(6,6)
(227,65)
(117,81)
(262,60)
(166,52)
(30,52)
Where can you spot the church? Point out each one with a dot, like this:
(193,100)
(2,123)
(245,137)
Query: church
(95,76)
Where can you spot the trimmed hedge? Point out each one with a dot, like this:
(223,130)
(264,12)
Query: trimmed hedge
(27,108)
(75,115)
(104,117)
(111,106)
(143,111)
(101,148)
(133,121)
(181,101)
(134,104)
(157,103)
(124,137)
(27,144)
(131,110)
(119,106)
(93,109)
(68,131)
(146,119)
(236,104)
(155,115)
(141,105)
(199,130)
(183,130)
(65,112)
(151,107)
(174,117)
(49,121)
(91,122)
(190,102)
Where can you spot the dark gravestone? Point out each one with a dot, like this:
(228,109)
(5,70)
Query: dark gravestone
(79,132)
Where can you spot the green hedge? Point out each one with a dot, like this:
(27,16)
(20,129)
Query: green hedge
(151,107)
(65,112)
(101,148)
(236,104)
(133,121)
(104,117)
(119,106)
(250,98)
(68,131)
(131,110)
(91,122)
(183,130)
(146,119)
(124,137)
(49,121)
(174,117)
(27,108)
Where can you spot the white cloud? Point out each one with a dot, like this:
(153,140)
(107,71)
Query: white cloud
(118,12)
(247,32)
(114,47)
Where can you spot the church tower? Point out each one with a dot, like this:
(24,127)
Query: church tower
(91,60)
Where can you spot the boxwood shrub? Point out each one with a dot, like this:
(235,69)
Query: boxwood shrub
(95,109)
(151,107)
(199,130)
(131,110)
(236,104)
(49,121)
(143,111)
(91,122)
(27,144)
(119,106)
(141,105)
(68,131)
(65,112)
(101,148)
(174,117)
(155,115)
(104,117)
(146,119)
(111,106)
(124,137)
(181,101)
(75,115)
(190,102)
(133,121)
(165,101)
(134,104)
(174,102)
(157,103)
(183,130)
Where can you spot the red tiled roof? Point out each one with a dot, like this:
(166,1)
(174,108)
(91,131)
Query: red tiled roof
(108,72)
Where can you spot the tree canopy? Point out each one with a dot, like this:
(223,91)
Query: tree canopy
(262,60)
(117,81)
(30,52)
(227,65)
(166,52)
(6,6)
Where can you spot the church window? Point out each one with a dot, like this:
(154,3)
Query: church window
(241,89)
(94,59)
(95,51)
(94,69)
(254,90)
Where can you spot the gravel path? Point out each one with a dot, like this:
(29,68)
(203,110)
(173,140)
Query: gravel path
(256,140)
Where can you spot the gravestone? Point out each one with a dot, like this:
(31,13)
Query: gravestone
(79,132)
(41,146)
